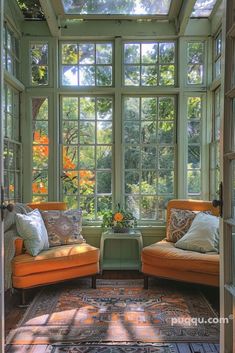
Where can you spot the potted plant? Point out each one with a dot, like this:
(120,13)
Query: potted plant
(120,221)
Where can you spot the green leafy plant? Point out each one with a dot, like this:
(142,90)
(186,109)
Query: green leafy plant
(120,220)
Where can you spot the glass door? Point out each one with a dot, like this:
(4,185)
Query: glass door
(1,185)
(227,245)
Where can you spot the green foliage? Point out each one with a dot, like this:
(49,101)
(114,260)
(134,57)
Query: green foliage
(118,219)
(31,8)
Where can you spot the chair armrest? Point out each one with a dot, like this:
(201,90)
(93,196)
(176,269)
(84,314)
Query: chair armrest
(19,243)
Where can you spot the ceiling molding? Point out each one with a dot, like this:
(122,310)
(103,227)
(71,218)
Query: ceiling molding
(184,15)
(50,17)
(174,10)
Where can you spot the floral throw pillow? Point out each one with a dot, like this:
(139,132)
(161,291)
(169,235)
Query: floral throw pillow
(179,223)
(63,227)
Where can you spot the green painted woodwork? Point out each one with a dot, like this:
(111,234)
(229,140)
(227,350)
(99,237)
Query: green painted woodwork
(150,235)
(121,251)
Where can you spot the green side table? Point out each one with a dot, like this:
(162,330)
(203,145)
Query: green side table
(118,263)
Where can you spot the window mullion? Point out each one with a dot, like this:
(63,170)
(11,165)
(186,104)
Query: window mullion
(118,180)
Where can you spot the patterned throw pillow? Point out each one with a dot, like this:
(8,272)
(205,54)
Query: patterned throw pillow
(63,227)
(179,223)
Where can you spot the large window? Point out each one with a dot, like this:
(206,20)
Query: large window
(87,138)
(149,154)
(12,145)
(117,124)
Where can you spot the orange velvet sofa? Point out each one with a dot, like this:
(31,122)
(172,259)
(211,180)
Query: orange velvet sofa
(163,259)
(56,264)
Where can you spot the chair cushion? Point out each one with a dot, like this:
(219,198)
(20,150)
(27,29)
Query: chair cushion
(55,258)
(165,254)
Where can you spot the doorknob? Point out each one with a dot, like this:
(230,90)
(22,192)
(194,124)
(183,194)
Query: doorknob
(216,203)
(219,203)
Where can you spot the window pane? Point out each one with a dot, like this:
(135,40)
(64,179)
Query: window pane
(69,76)
(70,108)
(149,53)
(69,54)
(104,53)
(132,75)
(113,7)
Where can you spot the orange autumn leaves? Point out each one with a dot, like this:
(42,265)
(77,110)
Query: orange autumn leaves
(84,178)
(40,159)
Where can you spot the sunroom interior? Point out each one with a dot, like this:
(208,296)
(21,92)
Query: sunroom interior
(109,103)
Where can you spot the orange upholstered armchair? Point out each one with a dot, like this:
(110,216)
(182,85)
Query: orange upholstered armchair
(163,259)
(56,264)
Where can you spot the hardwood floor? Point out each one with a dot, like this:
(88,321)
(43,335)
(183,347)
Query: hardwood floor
(14,312)
(174,348)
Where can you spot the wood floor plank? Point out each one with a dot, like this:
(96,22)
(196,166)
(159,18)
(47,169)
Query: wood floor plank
(183,348)
(213,347)
(11,348)
(207,348)
(41,348)
(174,348)
(197,348)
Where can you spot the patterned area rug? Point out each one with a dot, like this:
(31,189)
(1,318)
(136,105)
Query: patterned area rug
(117,311)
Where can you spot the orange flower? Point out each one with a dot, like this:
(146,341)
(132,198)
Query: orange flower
(118,217)
(11,188)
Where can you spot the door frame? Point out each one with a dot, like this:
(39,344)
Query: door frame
(2,316)
(227,160)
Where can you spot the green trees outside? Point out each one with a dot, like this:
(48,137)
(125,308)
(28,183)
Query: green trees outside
(123,7)
(149,138)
